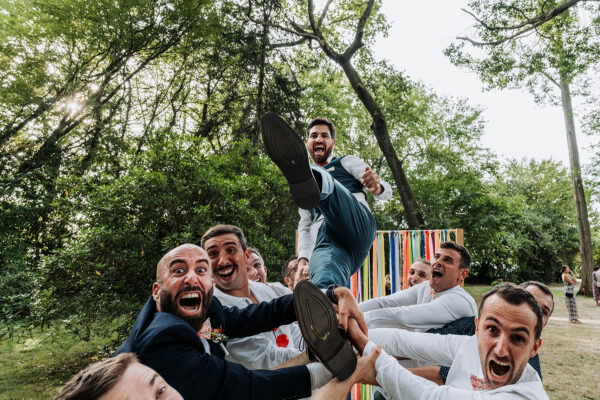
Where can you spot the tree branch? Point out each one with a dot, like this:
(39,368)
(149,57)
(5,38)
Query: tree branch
(324,13)
(286,44)
(527,25)
(360,30)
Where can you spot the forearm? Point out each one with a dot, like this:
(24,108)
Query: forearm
(334,390)
(431,373)
(434,314)
(300,359)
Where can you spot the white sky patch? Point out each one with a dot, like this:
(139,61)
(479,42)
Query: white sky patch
(516,126)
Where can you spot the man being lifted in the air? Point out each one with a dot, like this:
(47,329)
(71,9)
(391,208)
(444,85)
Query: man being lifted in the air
(336,228)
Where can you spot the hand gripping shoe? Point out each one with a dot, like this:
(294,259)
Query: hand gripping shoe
(318,324)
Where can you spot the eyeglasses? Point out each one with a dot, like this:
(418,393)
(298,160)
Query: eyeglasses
(291,271)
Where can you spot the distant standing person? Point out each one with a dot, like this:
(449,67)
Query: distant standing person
(569,288)
(596,284)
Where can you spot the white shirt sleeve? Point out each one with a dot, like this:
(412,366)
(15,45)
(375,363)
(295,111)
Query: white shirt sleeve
(420,346)
(400,298)
(306,241)
(356,167)
(402,384)
(258,352)
(435,314)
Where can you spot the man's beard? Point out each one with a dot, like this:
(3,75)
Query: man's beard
(322,159)
(168,304)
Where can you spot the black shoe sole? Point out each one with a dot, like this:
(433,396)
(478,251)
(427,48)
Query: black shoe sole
(288,152)
(318,324)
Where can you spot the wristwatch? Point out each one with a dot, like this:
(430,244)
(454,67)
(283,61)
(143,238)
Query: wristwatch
(329,293)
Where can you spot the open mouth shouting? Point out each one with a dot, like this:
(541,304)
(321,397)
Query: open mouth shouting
(226,273)
(319,150)
(498,372)
(189,302)
(437,272)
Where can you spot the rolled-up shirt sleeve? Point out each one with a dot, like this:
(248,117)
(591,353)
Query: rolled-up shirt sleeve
(306,239)
(356,167)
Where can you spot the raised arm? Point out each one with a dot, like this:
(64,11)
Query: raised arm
(368,177)
(400,298)
(434,314)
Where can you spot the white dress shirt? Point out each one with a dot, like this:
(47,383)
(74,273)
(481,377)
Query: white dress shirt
(417,310)
(307,229)
(260,351)
(458,352)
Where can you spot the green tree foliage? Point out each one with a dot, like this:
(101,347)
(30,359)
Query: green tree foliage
(546,47)
(341,29)
(129,127)
(540,233)
(82,89)
(119,229)
(518,218)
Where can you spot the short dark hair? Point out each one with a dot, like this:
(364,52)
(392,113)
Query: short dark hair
(322,121)
(596,268)
(465,257)
(285,270)
(97,379)
(545,289)
(424,261)
(222,229)
(516,296)
(254,250)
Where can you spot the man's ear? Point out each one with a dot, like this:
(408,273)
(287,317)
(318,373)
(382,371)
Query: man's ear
(464,273)
(156,294)
(536,347)
(476,324)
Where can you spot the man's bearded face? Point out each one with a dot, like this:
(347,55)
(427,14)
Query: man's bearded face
(173,304)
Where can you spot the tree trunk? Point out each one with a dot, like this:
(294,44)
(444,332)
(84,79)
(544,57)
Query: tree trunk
(261,81)
(411,210)
(585,239)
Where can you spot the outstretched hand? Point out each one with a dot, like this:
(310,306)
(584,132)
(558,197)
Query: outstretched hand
(347,307)
(365,371)
(371,181)
(302,271)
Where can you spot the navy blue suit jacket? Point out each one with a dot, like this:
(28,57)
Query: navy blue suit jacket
(170,346)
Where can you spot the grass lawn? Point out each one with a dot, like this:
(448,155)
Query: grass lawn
(37,367)
(570,356)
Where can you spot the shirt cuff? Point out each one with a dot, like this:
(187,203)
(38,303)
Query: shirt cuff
(319,375)
(367,317)
(368,348)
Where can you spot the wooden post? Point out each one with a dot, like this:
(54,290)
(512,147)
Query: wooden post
(460,238)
